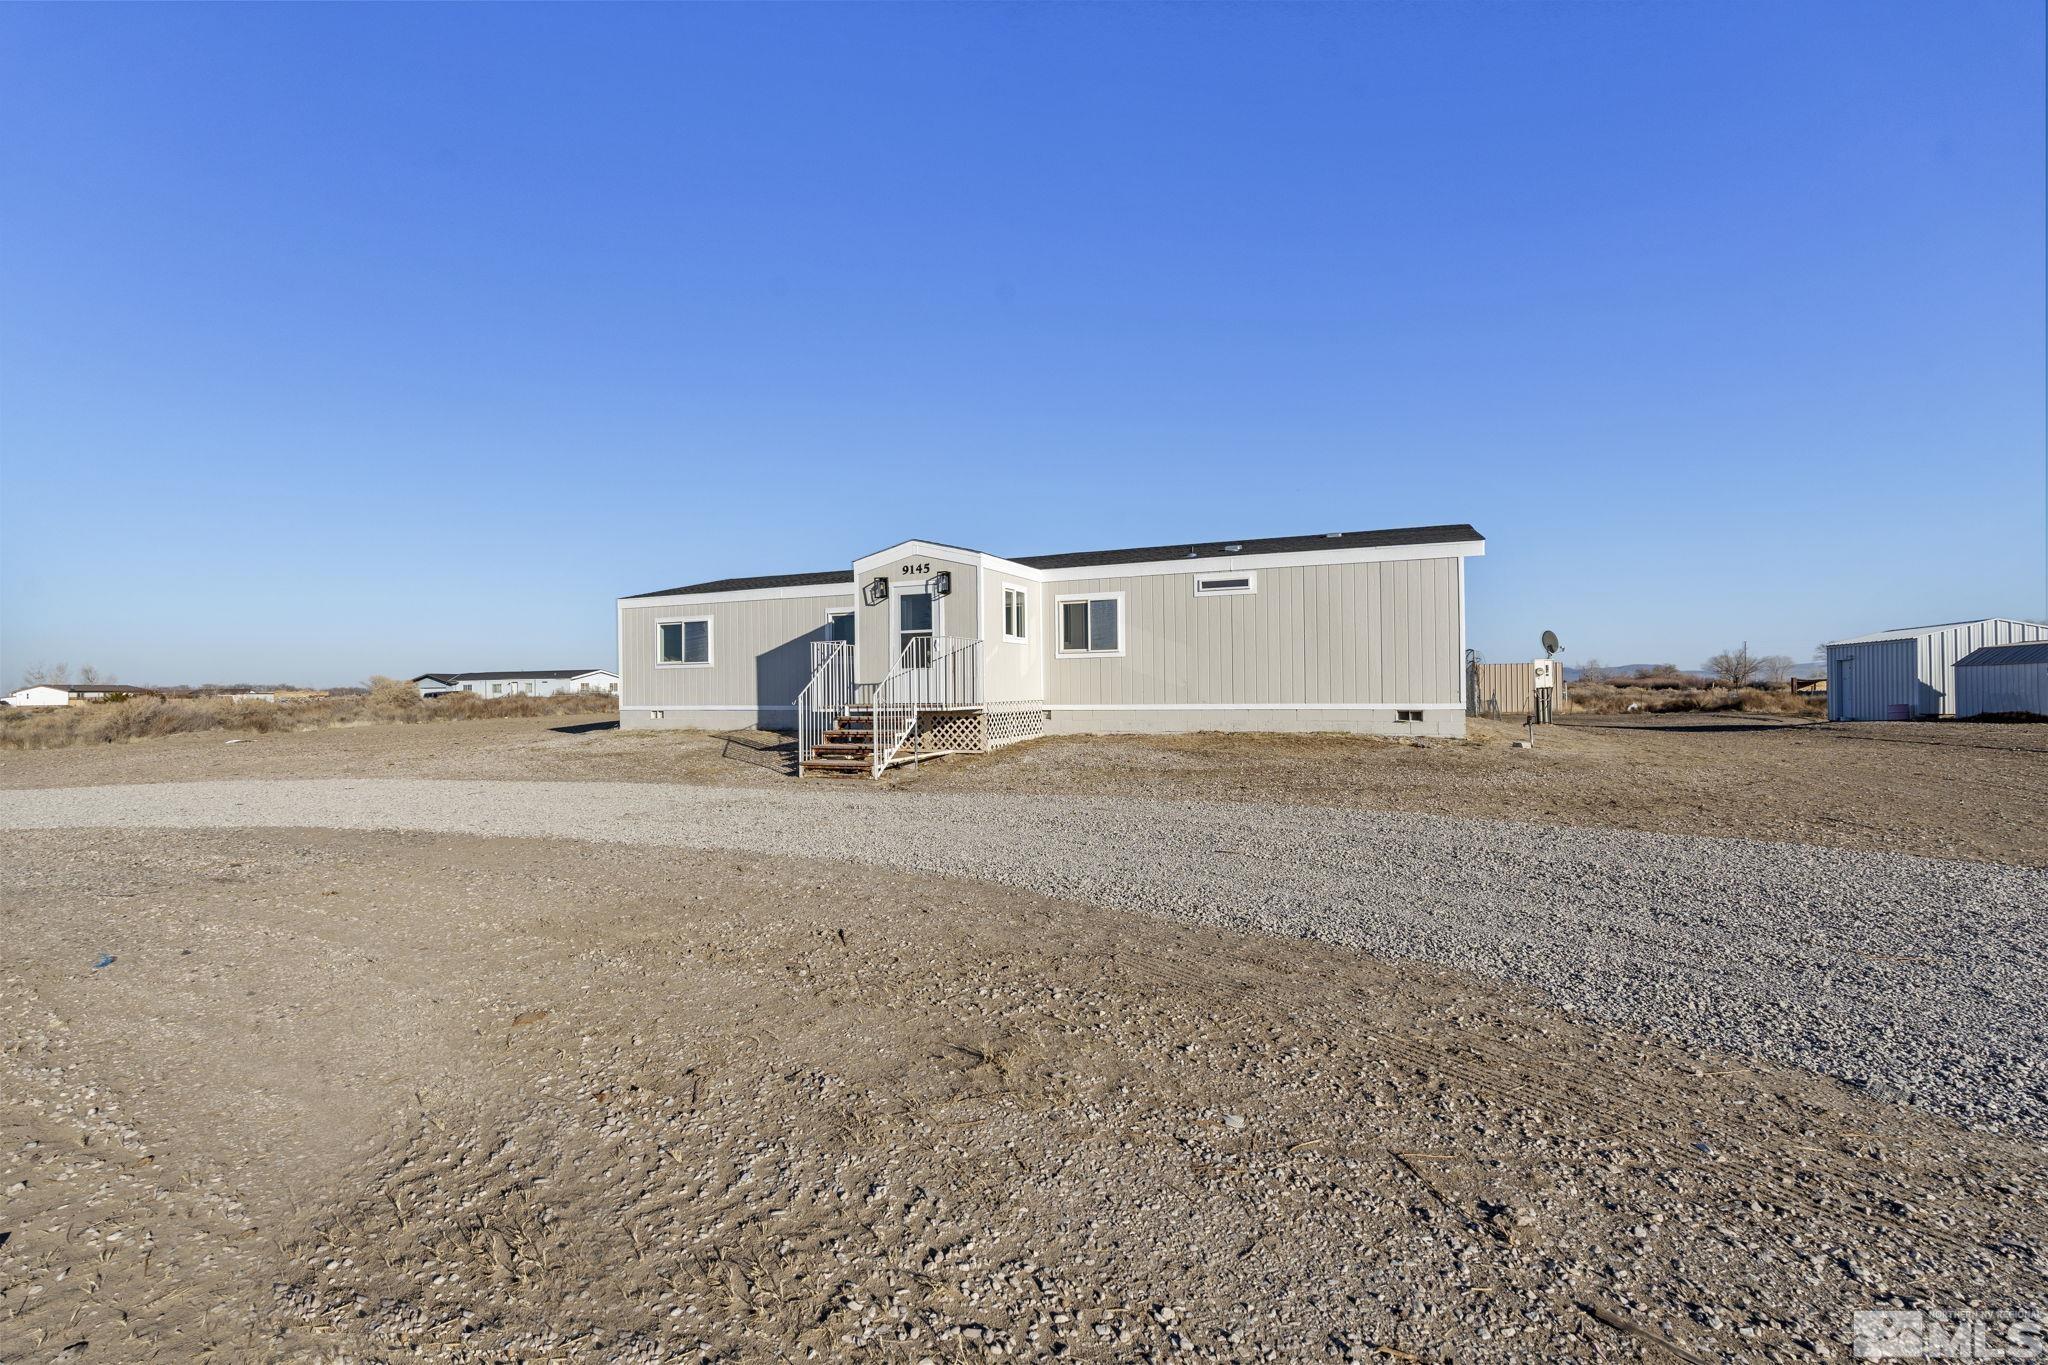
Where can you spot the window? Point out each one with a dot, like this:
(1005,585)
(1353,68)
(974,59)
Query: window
(1220,585)
(839,625)
(497,689)
(685,643)
(1407,715)
(1092,625)
(1013,613)
(914,628)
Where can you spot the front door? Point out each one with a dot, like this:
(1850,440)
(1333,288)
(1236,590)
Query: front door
(914,617)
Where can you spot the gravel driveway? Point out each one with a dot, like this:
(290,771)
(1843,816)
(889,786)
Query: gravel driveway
(1917,978)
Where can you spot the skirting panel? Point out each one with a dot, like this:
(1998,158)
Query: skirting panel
(707,718)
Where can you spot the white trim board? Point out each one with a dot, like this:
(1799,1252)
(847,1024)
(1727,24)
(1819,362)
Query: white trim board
(1263,706)
(699,706)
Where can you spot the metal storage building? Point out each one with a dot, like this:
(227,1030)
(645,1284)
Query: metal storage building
(2003,679)
(1909,674)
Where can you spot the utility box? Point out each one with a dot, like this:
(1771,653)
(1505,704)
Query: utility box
(1544,672)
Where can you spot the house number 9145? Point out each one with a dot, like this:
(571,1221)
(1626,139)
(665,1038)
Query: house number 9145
(909,570)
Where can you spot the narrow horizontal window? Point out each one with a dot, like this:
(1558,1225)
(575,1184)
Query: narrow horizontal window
(1220,585)
(1407,715)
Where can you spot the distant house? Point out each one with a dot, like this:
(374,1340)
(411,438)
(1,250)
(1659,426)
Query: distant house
(64,694)
(531,682)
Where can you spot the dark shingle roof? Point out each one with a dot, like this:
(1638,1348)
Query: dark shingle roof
(1148,554)
(535,673)
(1271,545)
(2022,652)
(784,580)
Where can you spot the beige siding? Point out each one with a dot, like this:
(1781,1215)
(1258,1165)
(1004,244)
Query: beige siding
(1384,633)
(958,612)
(760,653)
(1012,671)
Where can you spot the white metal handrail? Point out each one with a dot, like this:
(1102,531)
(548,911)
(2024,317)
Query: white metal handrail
(932,673)
(825,698)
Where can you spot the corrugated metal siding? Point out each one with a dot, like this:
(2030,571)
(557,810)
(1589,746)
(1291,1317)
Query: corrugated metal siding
(1990,689)
(760,652)
(1386,632)
(1866,680)
(1512,689)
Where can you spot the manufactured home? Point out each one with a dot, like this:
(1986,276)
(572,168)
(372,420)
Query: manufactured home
(70,694)
(541,682)
(925,648)
(1910,673)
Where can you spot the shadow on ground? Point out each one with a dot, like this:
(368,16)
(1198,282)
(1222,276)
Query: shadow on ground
(776,755)
(587,728)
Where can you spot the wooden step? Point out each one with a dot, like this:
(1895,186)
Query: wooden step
(827,764)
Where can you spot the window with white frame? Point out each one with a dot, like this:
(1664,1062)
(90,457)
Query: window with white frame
(1226,584)
(1092,625)
(1013,613)
(839,626)
(685,643)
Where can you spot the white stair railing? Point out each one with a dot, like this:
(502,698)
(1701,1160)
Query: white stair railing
(932,673)
(825,698)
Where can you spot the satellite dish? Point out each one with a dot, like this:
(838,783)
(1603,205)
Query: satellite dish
(1550,645)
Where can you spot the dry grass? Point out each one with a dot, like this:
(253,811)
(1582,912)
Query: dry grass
(1608,699)
(388,702)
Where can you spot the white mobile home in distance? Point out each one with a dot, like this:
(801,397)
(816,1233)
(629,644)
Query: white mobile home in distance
(1910,674)
(925,648)
(542,682)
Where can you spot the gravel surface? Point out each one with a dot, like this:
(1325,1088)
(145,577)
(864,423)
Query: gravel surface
(1918,979)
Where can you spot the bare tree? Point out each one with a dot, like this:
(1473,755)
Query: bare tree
(88,674)
(1776,668)
(1733,667)
(40,675)
(1593,671)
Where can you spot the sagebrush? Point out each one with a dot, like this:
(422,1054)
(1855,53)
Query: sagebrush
(388,702)
(1607,699)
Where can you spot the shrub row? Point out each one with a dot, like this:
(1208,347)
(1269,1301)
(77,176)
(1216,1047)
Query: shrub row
(388,702)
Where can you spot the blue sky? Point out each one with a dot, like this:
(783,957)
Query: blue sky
(350,339)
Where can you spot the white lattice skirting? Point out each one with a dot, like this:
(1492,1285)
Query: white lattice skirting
(977,732)
(1009,723)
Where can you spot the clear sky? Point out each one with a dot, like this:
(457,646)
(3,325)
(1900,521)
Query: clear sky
(350,339)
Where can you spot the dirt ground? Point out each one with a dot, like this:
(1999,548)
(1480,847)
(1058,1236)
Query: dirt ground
(1977,792)
(355,1096)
